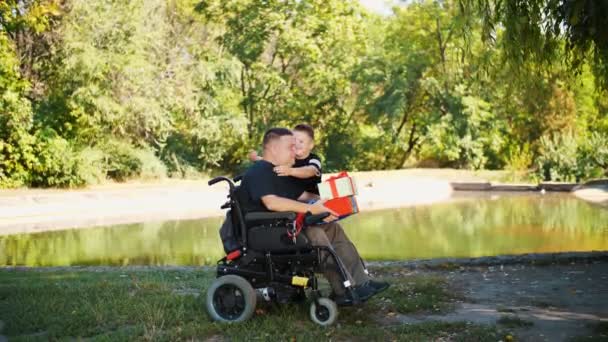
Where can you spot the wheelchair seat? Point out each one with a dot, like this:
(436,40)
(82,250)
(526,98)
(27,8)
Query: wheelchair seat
(269,232)
(275,239)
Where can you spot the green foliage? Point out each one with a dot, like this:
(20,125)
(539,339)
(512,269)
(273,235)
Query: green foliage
(91,165)
(295,59)
(112,89)
(593,156)
(468,136)
(122,161)
(16,142)
(520,158)
(558,158)
(151,166)
(538,29)
(564,157)
(34,15)
(57,164)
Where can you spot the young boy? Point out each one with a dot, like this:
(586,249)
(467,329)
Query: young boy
(307,167)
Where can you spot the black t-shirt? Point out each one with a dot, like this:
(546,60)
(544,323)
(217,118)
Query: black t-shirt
(310,184)
(261,180)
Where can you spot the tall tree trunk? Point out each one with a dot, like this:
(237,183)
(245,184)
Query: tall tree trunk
(247,100)
(412,142)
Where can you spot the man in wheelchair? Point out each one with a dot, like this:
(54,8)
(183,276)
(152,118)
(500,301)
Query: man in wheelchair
(268,201)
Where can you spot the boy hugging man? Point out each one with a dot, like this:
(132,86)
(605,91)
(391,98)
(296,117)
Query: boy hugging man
(307,167)
(271,184)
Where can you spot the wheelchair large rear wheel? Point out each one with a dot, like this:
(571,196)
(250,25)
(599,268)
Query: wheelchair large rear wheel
(231,299)
(324,314)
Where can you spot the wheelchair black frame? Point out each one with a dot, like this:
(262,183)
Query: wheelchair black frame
(226,267)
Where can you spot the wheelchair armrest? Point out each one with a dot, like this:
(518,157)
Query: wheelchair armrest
(310,219)
(269,216)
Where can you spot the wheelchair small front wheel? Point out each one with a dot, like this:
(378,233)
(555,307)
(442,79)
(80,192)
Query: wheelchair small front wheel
(324,314)
(231,299)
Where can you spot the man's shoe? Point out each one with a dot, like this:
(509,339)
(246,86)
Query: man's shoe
(379,286)
(342,300)
(364,291)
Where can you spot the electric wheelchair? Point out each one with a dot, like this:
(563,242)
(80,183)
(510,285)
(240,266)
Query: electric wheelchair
(273,262)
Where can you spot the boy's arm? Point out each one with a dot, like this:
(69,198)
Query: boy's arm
(298,172)
(253,156)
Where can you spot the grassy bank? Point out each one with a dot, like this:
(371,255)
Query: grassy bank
(153,304)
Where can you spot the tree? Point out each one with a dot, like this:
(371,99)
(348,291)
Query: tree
(534,29)
(30,26)
(16,141)
(295,59)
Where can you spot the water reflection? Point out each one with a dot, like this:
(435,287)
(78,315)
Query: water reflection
(492,226)
(471,227)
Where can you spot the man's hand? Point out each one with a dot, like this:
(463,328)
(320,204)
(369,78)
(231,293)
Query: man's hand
(283,170)
(318,208)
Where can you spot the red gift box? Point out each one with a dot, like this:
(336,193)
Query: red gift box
(343,206)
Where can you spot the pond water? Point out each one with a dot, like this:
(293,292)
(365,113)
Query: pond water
(469,226)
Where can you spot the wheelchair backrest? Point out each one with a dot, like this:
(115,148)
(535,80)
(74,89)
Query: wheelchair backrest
(238,202)
(235,230)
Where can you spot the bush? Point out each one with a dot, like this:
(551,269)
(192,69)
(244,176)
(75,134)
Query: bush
(519,158)
(564,158)
(558,158)
(594,156)
(151,166)
(123,161)
(91,166)
(57,164)
(17,155)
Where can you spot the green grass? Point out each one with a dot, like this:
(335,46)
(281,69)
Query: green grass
(161,305)
(429,294)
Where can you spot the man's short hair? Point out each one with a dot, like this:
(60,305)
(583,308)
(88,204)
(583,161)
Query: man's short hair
(306,129)
(274,134)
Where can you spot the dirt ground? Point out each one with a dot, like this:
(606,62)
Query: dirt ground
(556,302)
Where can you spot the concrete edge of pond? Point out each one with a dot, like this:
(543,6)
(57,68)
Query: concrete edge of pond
(527,259)
(547,186)
(488,186)
(595,191)
(533,259)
